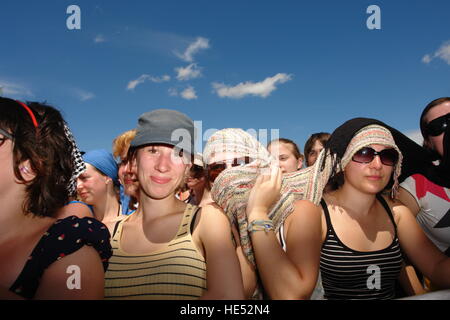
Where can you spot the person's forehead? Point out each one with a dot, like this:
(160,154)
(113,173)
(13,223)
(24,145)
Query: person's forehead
(437,111)
(283,148)
(317,145)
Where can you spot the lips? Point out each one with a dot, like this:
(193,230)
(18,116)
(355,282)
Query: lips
(374,178)
(83,194)
(160,180)
(129,181)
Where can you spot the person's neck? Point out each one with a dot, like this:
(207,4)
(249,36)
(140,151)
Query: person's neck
(206,198)
(13,218)
(150,208)
(107,209)
(354,201)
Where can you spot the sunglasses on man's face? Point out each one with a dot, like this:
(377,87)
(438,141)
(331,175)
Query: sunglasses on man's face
(216,168)
(388,157)
(438,125)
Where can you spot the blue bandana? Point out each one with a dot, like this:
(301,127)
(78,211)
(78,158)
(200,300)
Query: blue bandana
(103,161)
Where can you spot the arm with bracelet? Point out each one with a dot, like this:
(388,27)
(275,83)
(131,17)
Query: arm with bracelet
(291,274)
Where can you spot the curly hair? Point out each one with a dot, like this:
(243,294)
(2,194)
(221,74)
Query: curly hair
(47,149)
(122,142)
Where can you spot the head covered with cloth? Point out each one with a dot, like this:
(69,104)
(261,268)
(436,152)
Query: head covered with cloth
(232,187)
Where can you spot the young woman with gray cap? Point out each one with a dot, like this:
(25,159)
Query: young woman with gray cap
(168,249)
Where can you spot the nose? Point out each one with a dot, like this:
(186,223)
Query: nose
(163,162)
(79,184)
(376,163)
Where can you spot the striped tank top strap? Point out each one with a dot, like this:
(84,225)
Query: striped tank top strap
(188,214)
(117,232)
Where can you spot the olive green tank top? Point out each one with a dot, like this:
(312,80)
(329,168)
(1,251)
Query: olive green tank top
(177,271)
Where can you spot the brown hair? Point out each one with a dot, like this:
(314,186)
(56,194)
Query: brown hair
(46,148)
(295,149)
(322,137)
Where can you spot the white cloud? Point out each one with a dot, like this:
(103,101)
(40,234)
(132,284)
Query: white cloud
(173,92)
(144,77)
(189,93)
(99,38)
(199,44)
(14,90)
(262,89)
(415,135)
(189,72)
(426,59)
(83,95)
(442,53)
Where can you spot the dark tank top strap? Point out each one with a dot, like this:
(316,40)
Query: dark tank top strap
(326,212)
(386,207)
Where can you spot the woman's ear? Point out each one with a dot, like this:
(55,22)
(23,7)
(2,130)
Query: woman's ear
(26,172)
(299,163)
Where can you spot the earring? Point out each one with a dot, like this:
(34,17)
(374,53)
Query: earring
(24,169)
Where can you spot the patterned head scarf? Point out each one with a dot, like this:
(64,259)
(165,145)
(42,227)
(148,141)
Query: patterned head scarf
(78,164)
(238,141)
(232,187)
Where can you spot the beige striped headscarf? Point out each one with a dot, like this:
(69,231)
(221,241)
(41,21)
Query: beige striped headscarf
(232,187)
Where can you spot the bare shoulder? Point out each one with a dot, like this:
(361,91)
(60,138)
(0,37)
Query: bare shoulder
(78,209)
(211,216)
(397,207)
(304,211)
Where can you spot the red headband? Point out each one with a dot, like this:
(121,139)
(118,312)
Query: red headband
(33,118)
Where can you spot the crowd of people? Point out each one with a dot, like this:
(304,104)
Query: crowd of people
(362,213)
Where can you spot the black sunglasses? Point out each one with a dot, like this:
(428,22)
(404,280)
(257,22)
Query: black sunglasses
(216,168)
(438,125)
(388,157)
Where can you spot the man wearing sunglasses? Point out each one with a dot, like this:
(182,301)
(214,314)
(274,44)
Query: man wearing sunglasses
(428,196)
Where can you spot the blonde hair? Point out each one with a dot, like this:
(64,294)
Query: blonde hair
(121,143)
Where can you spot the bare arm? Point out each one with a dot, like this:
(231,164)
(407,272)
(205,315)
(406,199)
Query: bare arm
(292,274)
(59,280)
(224,279)
(247,270)
(408,200)
(420,250)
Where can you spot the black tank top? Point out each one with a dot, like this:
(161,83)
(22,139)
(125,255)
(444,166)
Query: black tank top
(351,274)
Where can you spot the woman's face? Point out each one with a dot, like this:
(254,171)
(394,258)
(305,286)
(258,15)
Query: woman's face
(127,177)
(371,177)
(437,143)
(7,176)
(287,160)
(311,157)
(160,170)
(92,186)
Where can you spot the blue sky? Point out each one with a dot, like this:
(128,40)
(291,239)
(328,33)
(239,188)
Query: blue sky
(297,66)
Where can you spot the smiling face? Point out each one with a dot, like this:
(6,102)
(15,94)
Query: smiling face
(371,177)
(160,170)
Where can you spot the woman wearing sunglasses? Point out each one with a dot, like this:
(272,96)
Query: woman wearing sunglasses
(232,148)
(353,232)
(427,194)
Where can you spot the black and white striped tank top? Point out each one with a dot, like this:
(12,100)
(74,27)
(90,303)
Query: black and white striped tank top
(351,274)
